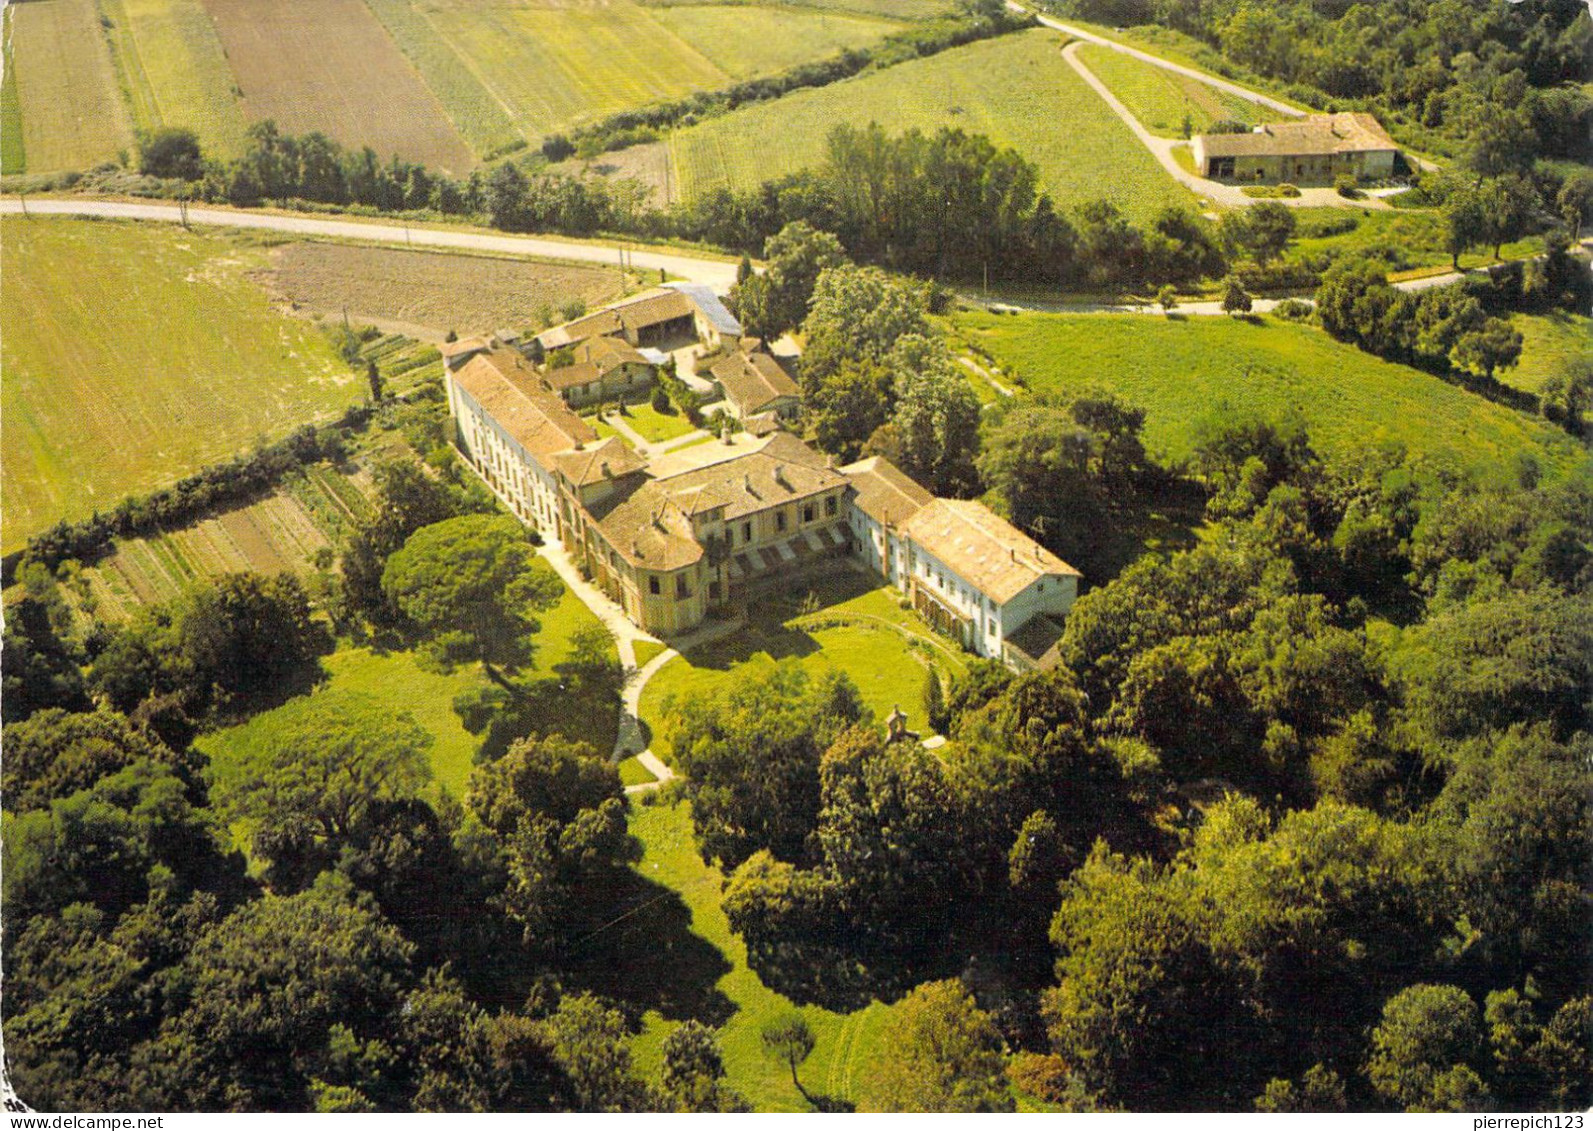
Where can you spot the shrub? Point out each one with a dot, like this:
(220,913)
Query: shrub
(1293,310)
(1348,187)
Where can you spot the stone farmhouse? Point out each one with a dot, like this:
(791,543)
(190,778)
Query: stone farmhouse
(754,383)
(674,538)
(1314,150)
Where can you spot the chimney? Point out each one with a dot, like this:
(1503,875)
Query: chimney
(608,472)
(747,480)
(1013,550)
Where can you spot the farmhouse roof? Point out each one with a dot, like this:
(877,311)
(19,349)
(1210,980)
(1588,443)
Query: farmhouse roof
(608,354)
(609,458)
(510,390)
(461,348)
(753,381)
(632,314)
(982,548)
(884,492)
(1318,134)
(704,299)
(1037,639)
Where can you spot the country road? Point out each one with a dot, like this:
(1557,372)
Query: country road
(1167,65)
(717,273)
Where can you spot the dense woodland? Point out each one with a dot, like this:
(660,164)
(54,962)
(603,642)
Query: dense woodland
(1300,823)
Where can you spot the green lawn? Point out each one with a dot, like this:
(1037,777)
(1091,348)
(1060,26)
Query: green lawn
(758,39)
(848,1044)
(1549,343)
(1407,239)
(397,678)
(1180,370)
(646,650)
(13,153)
(1161,99)
(858,627)
(132,354)
(1017,89)
(656,427)
(632,772)
(65,98)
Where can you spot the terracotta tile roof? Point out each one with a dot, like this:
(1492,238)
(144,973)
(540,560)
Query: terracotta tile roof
(608,354)
(646,528)
(781,470)
(982,548)
(635,313)
(1318,134)
(753,381)
(884,492)
(609,458)
(511,391)
(461,347)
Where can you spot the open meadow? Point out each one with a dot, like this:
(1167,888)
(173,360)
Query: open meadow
(1162,99)
(431,292)
(1181,370)
(174,72)
(1550,345)
(329,65)
(64,99)
(1405,239)
(1039,106)
(884,9)
(135,354)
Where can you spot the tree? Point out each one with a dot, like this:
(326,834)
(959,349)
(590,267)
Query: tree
(54,754)
(470,585)
(1261,231)
(936,418)
(750,755)
(857,313)
(309,781)
(850,406)
(373,378)
(693,1071)
(788,1039)
(171,151)
(1507,205)
(797,255)
(1465,222)
(1424,1048)
(935,713)
(1234,298)
(247,633)
(1167,298)
(1495,345)
(1574,201)
(946,1055)
(38,666)
(592,1044)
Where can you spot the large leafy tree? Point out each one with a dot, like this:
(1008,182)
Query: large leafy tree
(472,588)
(308,786)
(858,313)
(946,1055)
(777,301)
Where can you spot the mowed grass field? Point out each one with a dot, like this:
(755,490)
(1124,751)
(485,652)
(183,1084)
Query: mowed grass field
(885,9)
(132,355)
(1550,345)
(13,154)
(1182,371)
(756,40)
(174,72)
(848,1046)
(436,291)
(1162,99)
(1017,89)
(1409,239)
(329,65)
(859,629)
(399,678)
(65,100)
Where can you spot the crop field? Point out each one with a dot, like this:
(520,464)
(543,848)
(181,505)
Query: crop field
(762,39)
(1162,99)
(1180,371)
(131,355)
(884,9)
(13,154)
(431,292)
(481,119)
(553,65)
(174,72)
(278,534)
(328,65)
(1550,345)
(1040,107)
(64,97)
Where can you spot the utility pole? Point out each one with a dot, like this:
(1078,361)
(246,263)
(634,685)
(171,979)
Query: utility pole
(24,198)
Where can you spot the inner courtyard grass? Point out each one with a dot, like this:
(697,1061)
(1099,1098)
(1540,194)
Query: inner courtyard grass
(854,623)
(1181,371)
(655,427)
